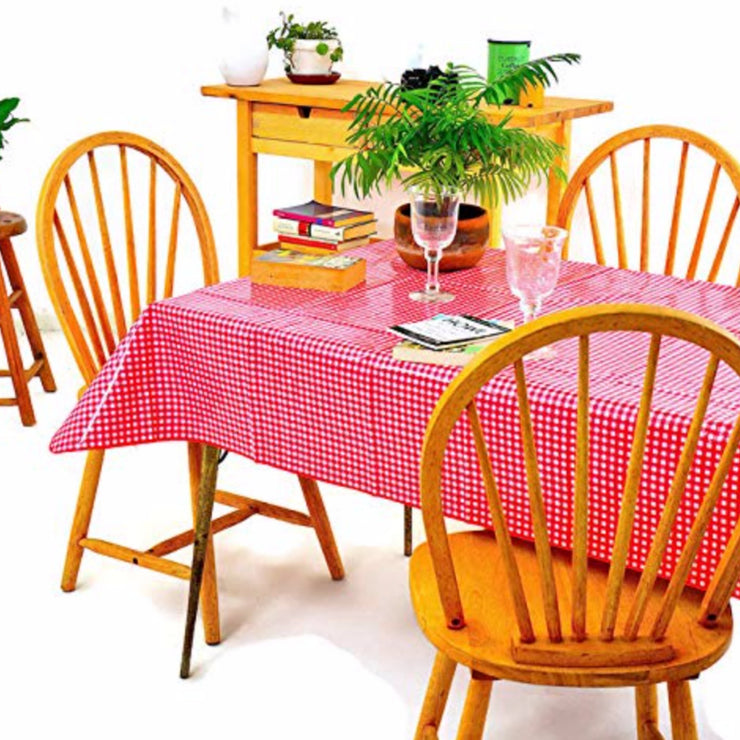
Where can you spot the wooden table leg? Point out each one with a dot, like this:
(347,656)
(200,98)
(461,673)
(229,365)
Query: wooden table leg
(322,186)
(246,187)
(556,186)
(206,492)
(209,587)
(408,532)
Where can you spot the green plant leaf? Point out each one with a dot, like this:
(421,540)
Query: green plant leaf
(440,137)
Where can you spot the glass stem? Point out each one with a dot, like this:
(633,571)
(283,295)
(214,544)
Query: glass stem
(529,309)
(432,256)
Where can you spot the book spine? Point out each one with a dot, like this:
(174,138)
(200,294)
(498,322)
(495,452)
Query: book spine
(304,228)
(315,243)
(301,217)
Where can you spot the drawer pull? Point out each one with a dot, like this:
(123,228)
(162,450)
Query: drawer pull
(304,111)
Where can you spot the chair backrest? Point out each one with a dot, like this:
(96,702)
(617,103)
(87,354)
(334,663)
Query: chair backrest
(705,175)
(458,405)
(100,263)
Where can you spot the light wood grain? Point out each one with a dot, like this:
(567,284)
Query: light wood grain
(726,170)
(475,709)
(683,722)
(435,699)
(471,591)
(14,296)
(79,298)
(646,708)
(280,118)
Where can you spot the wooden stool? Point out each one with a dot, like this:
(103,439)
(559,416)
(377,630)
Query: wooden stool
(11,224)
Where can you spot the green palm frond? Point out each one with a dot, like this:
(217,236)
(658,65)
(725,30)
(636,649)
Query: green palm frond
(7,119)
(439,137)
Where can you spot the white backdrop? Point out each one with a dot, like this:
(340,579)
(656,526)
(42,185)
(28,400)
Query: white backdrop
(83,66)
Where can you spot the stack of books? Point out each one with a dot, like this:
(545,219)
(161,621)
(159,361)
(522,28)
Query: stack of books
(321,229)
(446,339)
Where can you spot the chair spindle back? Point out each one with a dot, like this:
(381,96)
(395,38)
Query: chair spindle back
(725,168)
(99,268)
(459,404)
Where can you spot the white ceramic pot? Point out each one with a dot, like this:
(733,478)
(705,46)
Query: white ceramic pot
(243,51)
(305,60)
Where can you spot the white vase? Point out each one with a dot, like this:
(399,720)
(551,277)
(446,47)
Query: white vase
(243,51)
(307,61)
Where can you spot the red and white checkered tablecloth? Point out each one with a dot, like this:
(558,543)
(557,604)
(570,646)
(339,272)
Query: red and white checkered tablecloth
(305,381)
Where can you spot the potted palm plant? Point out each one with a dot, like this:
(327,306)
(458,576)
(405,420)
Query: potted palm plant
(309,49)
(434,134)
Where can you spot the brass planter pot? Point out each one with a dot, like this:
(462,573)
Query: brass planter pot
(469,245)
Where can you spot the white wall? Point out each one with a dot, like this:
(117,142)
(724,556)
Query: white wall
(82,66)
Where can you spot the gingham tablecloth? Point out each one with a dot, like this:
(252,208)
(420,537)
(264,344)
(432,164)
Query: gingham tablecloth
(305,381)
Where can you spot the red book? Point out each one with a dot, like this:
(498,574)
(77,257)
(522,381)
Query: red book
(314,212)
(323,246)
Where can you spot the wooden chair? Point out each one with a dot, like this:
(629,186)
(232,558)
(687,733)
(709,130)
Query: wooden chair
(705,248)
(13,295)
(100,278)
(509,609)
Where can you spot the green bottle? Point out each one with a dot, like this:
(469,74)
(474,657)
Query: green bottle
(503,56)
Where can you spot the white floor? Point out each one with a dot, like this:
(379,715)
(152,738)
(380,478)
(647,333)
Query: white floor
(302,656)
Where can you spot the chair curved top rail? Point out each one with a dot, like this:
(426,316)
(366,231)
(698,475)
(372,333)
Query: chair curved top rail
(580,185)
(83,269)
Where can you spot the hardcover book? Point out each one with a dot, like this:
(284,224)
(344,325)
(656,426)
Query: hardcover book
(317,246)
(334,234)
(445,331)
(291,269)
(324,215)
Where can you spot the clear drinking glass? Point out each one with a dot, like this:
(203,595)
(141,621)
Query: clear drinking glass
(532,266)
(433,224)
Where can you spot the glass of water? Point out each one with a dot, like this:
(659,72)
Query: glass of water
(433,224)
(532,266)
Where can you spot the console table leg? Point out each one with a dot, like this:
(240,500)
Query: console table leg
(555,186)
(246,187)
(322,188)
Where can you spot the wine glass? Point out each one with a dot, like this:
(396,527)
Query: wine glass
(433,224)
(532,267)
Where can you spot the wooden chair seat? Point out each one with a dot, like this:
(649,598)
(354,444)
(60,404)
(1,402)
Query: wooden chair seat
(489,642)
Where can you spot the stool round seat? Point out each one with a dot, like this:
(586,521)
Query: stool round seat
(11,224)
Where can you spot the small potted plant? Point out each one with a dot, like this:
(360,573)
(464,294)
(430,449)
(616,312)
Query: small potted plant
(430,131)
(309,49)
(7,119)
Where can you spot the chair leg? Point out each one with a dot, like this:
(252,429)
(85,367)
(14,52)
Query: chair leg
(408,532)
(646,705)
(206,493)
(683,723)
(476,707)
(209,588)
(435,699)
(321,525)
(81,521)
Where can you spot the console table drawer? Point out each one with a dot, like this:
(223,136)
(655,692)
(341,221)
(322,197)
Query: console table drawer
(300,124)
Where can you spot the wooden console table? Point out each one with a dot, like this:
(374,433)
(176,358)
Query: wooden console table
(306,121)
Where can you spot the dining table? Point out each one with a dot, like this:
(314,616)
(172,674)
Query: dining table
(305,381)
